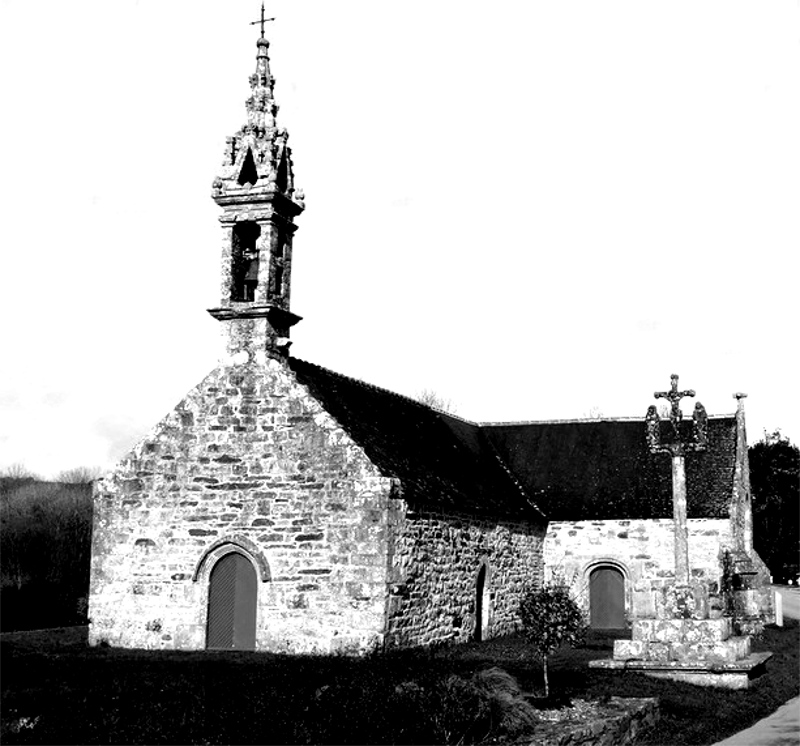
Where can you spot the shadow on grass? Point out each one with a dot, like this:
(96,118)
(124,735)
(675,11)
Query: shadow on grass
(57,690)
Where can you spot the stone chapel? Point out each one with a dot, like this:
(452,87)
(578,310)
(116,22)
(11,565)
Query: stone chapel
(281,506)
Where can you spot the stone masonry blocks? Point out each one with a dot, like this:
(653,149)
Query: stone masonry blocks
(682,630)
(436,562)
(641,549)
(248,453)
(249,461)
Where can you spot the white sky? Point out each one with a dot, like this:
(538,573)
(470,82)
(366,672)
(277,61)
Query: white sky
(536,209)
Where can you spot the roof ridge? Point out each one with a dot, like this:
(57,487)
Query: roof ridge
(374,387)
(484,423)
(578,420)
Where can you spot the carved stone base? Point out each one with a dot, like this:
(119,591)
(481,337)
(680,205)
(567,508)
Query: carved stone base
(731,675)
(696,651)
(683,602)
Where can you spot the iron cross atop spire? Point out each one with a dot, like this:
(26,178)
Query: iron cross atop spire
(262,20)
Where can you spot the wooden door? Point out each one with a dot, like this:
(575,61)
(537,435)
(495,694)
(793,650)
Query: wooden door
(607,598)
(232,604)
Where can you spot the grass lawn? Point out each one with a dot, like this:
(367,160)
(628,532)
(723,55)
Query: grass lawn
(57,690)
(689,714)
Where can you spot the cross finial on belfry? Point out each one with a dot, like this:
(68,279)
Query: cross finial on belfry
(674,396)
(262,20)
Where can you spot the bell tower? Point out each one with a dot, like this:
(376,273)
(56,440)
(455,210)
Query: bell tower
(255,189)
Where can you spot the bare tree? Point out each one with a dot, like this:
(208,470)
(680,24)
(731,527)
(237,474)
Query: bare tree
(14,541)
(430,398)
(14,476)
(80,475)
(45,545)
(17,470)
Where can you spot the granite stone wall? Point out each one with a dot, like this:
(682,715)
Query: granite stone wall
(641,549)
(436,562)
(620,721)
(248,461)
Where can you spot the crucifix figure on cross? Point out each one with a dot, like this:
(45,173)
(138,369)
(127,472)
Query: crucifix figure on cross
(261,20)
(674,397)
(678,446)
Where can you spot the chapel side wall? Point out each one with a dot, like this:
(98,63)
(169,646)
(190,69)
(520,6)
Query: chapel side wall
(642,549)
(435,559)
(247,457)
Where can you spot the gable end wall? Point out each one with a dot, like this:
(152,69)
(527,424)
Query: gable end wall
(248,460)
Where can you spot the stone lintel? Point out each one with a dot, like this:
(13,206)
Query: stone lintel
(275,314)
(251,198)
(263,215)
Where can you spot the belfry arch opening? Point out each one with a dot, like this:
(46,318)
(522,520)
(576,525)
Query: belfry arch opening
(282,178)
(277,284)
(244,261)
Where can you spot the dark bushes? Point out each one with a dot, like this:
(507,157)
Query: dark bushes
(45,548)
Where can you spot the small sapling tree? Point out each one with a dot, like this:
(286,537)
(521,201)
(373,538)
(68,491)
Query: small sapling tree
(550,618)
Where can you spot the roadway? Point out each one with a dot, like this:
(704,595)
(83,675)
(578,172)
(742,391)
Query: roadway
(782,728)
(791,600)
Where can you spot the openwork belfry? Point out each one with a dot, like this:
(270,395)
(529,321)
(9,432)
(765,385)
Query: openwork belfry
(256,191)
(283,506)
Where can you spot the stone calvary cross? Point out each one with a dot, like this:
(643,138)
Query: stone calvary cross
(678,448)
(684,640)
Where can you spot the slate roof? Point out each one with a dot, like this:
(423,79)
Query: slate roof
(578,470)
(602,469)
(441,460)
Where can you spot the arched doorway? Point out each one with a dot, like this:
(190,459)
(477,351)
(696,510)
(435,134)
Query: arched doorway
(606,598)
(232,591)
(482,604)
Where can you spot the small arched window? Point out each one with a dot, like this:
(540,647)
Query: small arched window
(482,603)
